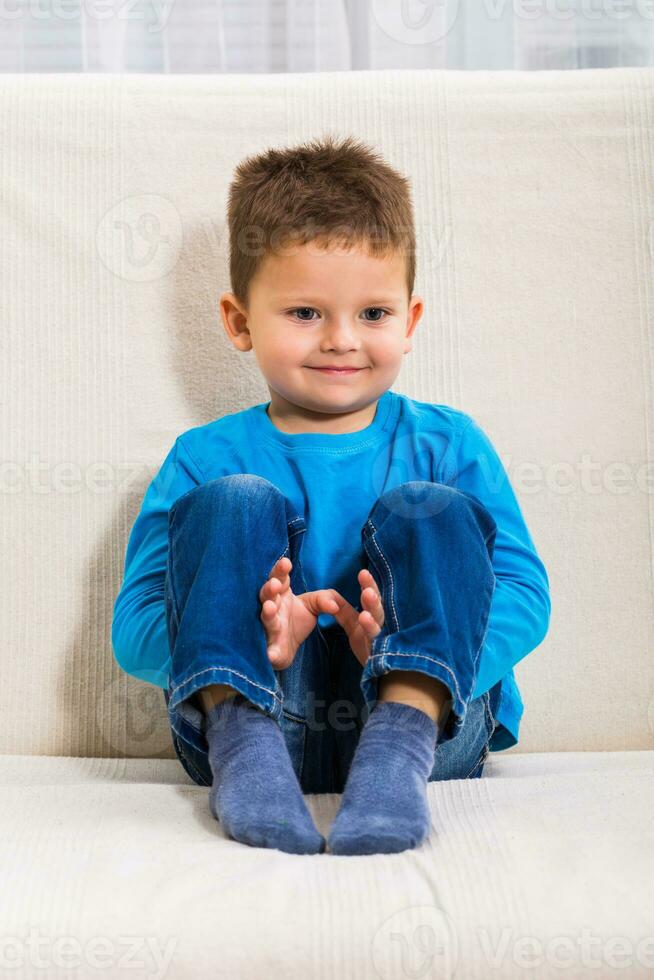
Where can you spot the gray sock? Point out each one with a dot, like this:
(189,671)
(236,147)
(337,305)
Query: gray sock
(255,793)
(384,805)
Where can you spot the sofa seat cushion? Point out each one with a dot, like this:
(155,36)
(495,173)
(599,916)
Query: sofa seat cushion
(547,859)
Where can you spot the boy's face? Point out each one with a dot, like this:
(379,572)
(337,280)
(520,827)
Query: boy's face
(313,308)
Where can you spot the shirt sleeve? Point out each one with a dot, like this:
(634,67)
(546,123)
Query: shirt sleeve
(139,632)
(520,607)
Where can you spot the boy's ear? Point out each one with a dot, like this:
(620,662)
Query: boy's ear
(234,318)
(416,308)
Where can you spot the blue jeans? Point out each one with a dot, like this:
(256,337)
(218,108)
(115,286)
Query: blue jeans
(429,548)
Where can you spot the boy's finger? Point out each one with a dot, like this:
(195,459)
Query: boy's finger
(369,623)
(276,659)
(267,590)
(281,569)
(321,600)
(373,604)
(269,609)
(276,575)
(346,616)
(366,580)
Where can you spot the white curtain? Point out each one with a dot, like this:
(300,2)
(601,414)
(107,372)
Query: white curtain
(321,35)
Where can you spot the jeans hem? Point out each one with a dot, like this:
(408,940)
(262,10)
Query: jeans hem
(269,701)
(191,770)
(387,660)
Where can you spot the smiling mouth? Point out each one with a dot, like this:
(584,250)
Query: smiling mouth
(337,370)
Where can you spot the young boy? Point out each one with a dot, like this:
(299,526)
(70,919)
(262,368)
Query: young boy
(406,510)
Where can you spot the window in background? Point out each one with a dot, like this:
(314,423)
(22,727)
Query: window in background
(598,36)
(322,35)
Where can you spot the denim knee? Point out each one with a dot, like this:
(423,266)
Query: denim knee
(213,492)
(418,499)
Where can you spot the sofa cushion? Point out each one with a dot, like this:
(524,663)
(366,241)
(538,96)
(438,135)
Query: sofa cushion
(548,858)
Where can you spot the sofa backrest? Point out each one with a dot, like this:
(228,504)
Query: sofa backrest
(535,219)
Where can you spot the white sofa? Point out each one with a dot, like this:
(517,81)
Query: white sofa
(535,211)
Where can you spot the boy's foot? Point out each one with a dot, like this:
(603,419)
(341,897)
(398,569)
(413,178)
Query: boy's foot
(384,805)
(255,793)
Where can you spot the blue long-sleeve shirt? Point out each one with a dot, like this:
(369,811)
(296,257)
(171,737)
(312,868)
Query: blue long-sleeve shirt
(333,481)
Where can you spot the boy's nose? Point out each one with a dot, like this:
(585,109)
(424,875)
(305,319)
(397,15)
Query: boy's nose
(341,333)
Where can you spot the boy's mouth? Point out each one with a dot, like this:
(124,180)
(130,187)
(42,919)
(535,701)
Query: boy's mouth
(337,371)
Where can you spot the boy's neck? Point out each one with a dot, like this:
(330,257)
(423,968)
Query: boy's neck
(294,420)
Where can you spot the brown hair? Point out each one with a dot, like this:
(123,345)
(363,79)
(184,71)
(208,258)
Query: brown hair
(327,191)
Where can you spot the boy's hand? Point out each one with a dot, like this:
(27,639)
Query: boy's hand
(288,619)
(362,627)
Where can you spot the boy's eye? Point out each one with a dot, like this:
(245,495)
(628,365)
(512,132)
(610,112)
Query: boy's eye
(303,309)
(377,309)
(308,309)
